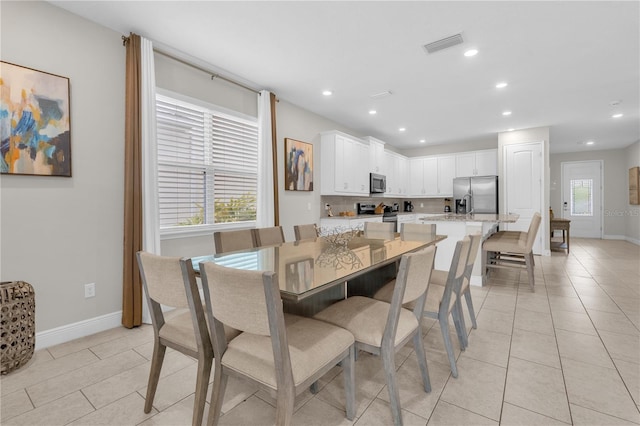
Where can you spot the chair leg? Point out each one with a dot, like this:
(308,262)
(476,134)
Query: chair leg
(349,372)
(484,269)
(444,327)
(458,321)
(284,405)
(472,312)
(154,374)
(388,362)
(217,395)
(418,345)
(528,258)
(202,384)
(314,388)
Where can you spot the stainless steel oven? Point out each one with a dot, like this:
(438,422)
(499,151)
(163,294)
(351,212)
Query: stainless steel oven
(391,217)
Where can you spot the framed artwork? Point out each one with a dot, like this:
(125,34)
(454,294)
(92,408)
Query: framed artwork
(634,185)
(34,122)
(298,165)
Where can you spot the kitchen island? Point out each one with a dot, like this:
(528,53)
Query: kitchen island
(455,227)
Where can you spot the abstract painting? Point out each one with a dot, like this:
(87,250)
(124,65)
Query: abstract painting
(34,122)
(298,165)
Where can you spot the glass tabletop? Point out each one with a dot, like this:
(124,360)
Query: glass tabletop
(307,266)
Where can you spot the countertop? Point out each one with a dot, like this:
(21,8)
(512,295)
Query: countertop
(474,217)
(364,216)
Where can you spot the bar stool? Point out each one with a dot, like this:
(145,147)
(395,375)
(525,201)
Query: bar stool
(511,249)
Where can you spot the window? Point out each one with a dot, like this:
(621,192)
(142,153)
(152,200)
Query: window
(207,166)
(581,197)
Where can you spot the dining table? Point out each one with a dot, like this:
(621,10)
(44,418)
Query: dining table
(317,272)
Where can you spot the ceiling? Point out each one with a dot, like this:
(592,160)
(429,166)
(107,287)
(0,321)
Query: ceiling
(565,62)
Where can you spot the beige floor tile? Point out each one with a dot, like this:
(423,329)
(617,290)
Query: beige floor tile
(533,302)
(413,398)
(500,302)
(533,321)
(117,386)
(496,321)
(318,412)
(30,375)
(563,291)
(574,322)
(125,411)
(617,323)
(518,416)
(129,340)
(59,412)
(600,304)
(535,347)
(87,342)
(630,373)
(622,346)
(559,303)
(180,413)
(447,414)
(174,387)
(538,388)
(14,404)
(586,385)
(253,411)
(479,389)
(57,387)
(583,347)
(237,391)
(434,345)
(585,417)
(488,346)
(378,413)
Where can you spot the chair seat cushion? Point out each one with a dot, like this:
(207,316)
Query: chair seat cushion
(515,242)
(312,344)
(178,329)
(366,318)
(434,293)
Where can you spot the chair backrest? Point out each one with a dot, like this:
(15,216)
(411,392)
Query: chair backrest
(305,232)
(268,236)
(533,230)
(163,280)
(417,231)
(226,241)
(456,272)
(379,226)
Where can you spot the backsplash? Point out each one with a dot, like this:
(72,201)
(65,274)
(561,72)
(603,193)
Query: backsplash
(341,204)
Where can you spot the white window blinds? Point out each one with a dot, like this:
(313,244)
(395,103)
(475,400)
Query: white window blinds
(207,165)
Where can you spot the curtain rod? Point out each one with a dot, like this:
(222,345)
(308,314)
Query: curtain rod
(213,75)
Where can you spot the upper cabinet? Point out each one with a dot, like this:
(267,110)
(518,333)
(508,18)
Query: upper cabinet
(342,169)
(431,176)
(477,163)
(376,155)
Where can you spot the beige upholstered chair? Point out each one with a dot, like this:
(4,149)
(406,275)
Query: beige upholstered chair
(268,236)
(439,278)
(305,232)
(170,281)
(383,328)
(378,226)
(441,300)
(226,241)
(416,231)
(282,354)
(511,249)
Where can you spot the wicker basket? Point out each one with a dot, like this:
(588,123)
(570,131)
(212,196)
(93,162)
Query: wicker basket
(17,324)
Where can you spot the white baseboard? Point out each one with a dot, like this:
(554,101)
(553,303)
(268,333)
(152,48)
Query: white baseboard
(614,237)
(68,332)
(633,240)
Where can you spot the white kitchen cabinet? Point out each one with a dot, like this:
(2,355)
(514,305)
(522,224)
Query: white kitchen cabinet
(431,176)
(477,163)
(396,173)
(342,169)
(376,156)
(402,172)
(405,218)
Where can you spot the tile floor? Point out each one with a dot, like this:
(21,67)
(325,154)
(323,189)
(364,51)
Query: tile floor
(567,354)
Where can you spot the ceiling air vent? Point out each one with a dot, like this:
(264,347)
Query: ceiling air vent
(445,43)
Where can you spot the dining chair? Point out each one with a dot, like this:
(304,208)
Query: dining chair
(441,300)
(268,236)
(282,354)
(512,249)
(305,232)
(416,231)
(382,328)
(379,226)
(226,241)
(170,282)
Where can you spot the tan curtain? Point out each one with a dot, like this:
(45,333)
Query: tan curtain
(131,284)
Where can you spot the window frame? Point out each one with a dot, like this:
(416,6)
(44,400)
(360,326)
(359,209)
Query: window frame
(188,231)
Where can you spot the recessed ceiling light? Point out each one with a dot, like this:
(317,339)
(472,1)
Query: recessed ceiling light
(501,85)
(506,113)
(373,112)
(589,142)
(510,130)
(618,115)
(401,129)
(422,140)
(471,52)
(327,92)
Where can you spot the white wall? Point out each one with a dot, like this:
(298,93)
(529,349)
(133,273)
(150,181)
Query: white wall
(632,212)
(614,184)
(61,233)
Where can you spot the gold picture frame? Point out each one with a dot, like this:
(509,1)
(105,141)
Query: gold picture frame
(298,165)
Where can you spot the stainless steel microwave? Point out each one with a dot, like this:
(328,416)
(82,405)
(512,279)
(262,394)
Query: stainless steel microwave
(377,183)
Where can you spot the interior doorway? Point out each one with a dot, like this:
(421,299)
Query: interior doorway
(582,197)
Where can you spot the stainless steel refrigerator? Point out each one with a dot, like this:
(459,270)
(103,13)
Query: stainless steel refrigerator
(476,194)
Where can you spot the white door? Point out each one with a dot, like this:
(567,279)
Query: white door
(523,187)
(581,197)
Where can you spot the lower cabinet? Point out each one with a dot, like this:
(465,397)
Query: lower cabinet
(332,223)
